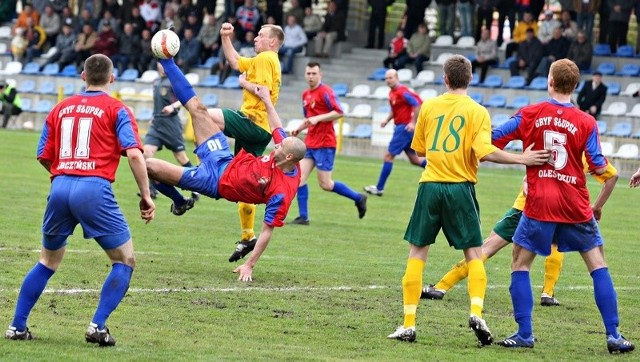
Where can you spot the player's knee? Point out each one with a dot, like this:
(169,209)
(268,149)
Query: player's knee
(388,157)
(130,261)
(326,185)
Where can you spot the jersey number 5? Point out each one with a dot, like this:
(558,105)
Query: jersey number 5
(554,142)
(450,142)
(82,138)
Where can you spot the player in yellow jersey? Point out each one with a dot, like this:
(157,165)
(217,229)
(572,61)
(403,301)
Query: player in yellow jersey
(249,125)
(502,235)
(453,132)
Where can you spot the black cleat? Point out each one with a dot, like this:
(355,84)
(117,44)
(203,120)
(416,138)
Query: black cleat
(479,327)
(300,221)
(244,247)
(195,196)
(619,345)
(404,334)
(186,205)
(101,337)
(362,205)
(548,301)
(13,334)
(431,292)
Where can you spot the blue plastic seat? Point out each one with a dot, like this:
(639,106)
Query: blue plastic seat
(47,87)
(499,119)
(27,103)
(210,100)
(378,74)
(602,50)
(492,81)
(340,89)
(210,81)
(629,70)
(606,68)
(43,106)
(129,75)
(232,82)
(208,63)
(621,129)
(26,86)
(144,114)
(69,71)
(475,80)
(51,69)
(68,89)
(476,97)
(361,131)
(496,101)
(31,68)
(613,88)
(602,127)
(517,82)
(579,86)
(519,102)
(538,83)
(626,51)
(508,62)
(385,108)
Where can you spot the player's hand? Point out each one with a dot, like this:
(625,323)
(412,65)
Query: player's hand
(147,209)
(535,158)
(597,214)
(226,29)
(262,92)
(295,132)
(167,109)
(635,179)
(245,272)
(410,127)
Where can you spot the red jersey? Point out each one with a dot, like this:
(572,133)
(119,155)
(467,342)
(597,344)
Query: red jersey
(320,100)
(85,135)
(557,190)
(403,101)
(258,180)
(398,45)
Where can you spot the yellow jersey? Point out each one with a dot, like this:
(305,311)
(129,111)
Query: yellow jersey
(454,133)
(263,69)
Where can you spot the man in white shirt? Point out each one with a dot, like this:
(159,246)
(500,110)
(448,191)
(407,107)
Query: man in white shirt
(294,41)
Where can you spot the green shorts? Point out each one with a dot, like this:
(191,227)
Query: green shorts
(249,136)
(506,227)
(451,207)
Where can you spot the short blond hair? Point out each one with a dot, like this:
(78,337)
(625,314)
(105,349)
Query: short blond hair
(565,74)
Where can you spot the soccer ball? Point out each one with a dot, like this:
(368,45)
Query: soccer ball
(165,44)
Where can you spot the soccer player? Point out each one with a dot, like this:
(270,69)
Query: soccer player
(272,179)
(502,235)
(166,131)
(454,133)
(81,144)
(405,105)
(321,108)
(557,205)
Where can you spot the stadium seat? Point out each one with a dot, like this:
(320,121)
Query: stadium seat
(27,104)
(602,127)
(635,111)
(615,109)
(381,92)
(607,148)
(492,81)
(602,50)
(470,56)
(507,62)
(385,108)
(476,97)
(627,150)
(47,87)
(148,76)
(475,80)
(4,49)
(579,86)
(346,128)
(232,82)
(69,71)
(636,134)
(5,31)
(626,51)
(441,58)
(68,89)
(428,94)
(127,93)
(208,64)
(31,68)
(499,119)
(422,78)
(144,114)
(340,89)
(629,70)
(129,75)
(515,145)
(466,42)
(146,93)
(378,74)
(210,100)
(293,124)
(631,89)
(405,75)
(538,83)
(620,129)
(49,53)
(345,107)
(361,131)
(519,102)
(541,99)
(51,69)
(361,110)
(516,82)
(210,81)
(12,68)
(443,40)
(607,68)
(496,101)
(43,106)
(360,91)
(613,88)
(193,78)
(26,86)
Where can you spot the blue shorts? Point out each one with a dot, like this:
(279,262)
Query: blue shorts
(323,157)
(88,201)
(215,156)
(537,236)
(400,141)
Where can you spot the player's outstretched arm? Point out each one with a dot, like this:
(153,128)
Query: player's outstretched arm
(528,158)
(245,270)
(230,52)
(264,94)
(635,179)
(139,170)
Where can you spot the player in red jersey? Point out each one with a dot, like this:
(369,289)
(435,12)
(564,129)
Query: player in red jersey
(81,144)
(405,106)
(271,179)
(321,108)
(558,205)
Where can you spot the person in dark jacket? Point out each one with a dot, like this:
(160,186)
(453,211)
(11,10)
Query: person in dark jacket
(593,95)
(530,52)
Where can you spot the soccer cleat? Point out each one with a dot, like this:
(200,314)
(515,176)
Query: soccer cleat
(100,336)
(373,190)
(195,196)
(300,221)
(244,247)
(515,341)
(362,205)
(548,300)
(15,335)
(186,205)
(619,345)
(481,330)
(432,293)
(404,334)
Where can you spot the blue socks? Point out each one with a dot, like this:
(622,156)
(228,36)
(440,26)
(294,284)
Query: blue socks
(344,190)
(384,175)
(32,287)
(606,300)
(181,87)
(522,300)
(170,192)
(303,201)
(113,290)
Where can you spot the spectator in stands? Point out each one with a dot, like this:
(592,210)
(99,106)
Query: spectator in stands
(209,38)
(556,48)
(297,11)
(570,6)
(222,67)
(446,16)
(581,51)
(506,9)
(312,23)
(129,49)
(247,47)
(619,22)
(418,48)
(36,38)
(192,23)
(415,14)
(170,18)
(65,52)
(86,40)
(126,10)
(586,14)
(50,22)
(592,95)
(137,21)
(19,45)
(484,15)
(189,54)
(106,42)
(248,16)
(85,18)
(332,28)
(486,54)
(397,56)
(93,6)
(147,59)
(28,12)
(546,26)
(150,12)
(11,103)
(466,10)
(67,17)
(377,22)
(274,10)
(107,18)
(519,34)
(569,27)
(295,40)
(113,7)
(530,52)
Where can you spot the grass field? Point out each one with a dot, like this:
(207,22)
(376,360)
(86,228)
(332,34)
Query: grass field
(328,291)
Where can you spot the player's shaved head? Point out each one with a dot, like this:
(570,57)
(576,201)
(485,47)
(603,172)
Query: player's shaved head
(295,147)
(97,70)
(565,74)
(457,70)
